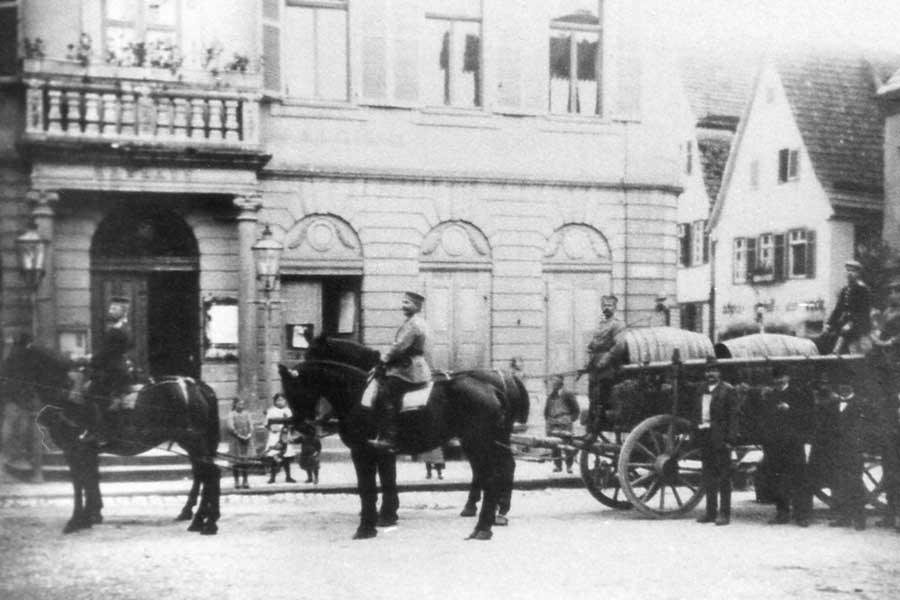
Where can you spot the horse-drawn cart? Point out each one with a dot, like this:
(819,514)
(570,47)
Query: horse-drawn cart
(646,457)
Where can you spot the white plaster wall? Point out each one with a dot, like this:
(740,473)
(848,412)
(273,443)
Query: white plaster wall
(772,207)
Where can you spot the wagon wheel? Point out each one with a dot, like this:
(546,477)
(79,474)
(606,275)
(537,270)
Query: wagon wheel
(872,480)
(599,471)
(659,467)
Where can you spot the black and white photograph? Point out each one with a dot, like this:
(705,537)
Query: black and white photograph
(439,299)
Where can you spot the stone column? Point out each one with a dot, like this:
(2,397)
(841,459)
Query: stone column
(248,347)
(43,212)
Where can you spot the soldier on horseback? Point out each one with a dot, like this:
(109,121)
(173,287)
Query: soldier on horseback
(405,368)
(110,370)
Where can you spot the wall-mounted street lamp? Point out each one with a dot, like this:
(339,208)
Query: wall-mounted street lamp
(267,256)
(31,251)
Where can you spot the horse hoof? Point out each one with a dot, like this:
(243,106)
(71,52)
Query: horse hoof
(469,511)
(186,514)
(73,526)
(96,519)
(365,533)
(386,522)
(501,520)
(478,534)
(209,529)
(195,526)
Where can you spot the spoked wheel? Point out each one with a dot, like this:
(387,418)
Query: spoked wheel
(872,480)
(599,471)
(659,468)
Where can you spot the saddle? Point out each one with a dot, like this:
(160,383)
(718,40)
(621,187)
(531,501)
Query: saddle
(411,400)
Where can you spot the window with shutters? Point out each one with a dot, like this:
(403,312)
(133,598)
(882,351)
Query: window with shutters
(739,261)
(452,70)
(801,251)
(788,164)
(140,32)
(576,57)
(9,17)
(314,61)
(688,157)
(684,245)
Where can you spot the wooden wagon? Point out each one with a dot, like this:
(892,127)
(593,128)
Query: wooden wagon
(645,457)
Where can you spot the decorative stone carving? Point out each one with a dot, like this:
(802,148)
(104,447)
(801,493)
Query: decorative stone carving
(456,241)
(321,237)
(577,246)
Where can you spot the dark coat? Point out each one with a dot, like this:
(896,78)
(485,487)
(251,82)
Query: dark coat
(602,362)
(853,305)
(796,424)
(561,410)
(723,415)
(110,373)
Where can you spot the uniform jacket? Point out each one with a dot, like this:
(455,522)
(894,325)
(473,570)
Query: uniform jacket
(109,365)
(797,423)
(406,358)
(853,305)
(602,362)
(561,410)
(723,414)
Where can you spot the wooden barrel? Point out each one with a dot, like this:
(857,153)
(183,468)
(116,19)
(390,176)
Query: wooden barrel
(654,344)
(766,345)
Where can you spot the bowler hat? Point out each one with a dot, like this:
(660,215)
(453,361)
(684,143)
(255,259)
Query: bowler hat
(853,265)
(711,363)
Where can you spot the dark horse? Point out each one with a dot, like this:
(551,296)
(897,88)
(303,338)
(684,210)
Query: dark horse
(176,409)
(479,407)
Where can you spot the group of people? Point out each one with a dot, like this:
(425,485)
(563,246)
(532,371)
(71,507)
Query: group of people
(282,443)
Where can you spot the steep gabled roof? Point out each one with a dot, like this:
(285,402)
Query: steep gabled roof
(832,97)
(717,85)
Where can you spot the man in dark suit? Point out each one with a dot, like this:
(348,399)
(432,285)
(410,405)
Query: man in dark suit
(849,493)
(560,413)
(716,421)
(110,372)
(849,320)
(789,410)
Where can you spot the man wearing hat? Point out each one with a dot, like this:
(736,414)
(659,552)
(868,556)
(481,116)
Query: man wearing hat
(887,360)
(110,371)
(849,320)
(601,365)
(715,418)
(789,425)
(406,368)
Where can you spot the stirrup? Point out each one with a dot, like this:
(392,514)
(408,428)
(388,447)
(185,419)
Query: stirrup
(383,445)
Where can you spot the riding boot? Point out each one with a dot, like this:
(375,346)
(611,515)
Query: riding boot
(287,473)
(273,472)
(387,426)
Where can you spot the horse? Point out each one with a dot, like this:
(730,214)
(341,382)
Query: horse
(478,406)
(174,408)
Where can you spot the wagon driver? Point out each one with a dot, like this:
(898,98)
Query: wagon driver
(406,368)
(601,365)
(849,320)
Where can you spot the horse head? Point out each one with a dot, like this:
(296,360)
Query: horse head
(345,351)
(34,372)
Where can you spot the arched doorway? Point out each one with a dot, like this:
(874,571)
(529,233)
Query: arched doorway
(149,256)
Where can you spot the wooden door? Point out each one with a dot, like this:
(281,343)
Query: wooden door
(133,286)
(301,304)
(458,310)
(573,313)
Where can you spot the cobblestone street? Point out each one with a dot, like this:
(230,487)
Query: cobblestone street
(560,543)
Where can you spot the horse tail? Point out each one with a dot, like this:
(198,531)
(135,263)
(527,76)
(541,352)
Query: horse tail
(519,401)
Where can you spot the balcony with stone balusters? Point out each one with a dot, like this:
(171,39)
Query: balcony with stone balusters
(141,112)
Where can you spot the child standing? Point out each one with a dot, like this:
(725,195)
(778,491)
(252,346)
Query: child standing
(278,448)
(310,449)
(434,460)
(240,442)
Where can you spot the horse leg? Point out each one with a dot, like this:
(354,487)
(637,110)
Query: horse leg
(188,510)
(211,495)
(485,465)
(390,499)
(471,507)
(197,497)
(77,469)
(364,464)
(93,498)
(507,479)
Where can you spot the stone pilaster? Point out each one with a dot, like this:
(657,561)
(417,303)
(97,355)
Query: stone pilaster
(248,349)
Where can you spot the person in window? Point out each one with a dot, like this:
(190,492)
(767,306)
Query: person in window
(601,365)
(716,418)
(405,368)
(110,369)
(849,320)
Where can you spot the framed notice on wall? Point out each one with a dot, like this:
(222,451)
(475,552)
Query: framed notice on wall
(299,335)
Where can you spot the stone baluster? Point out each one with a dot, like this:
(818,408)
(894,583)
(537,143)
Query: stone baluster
(180,118)
(54,116)
(110,115)
(146,114)
(91,113)
(35,100)
(163,116)
(215,119)
(198,127)
(232,133)
(126,114)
